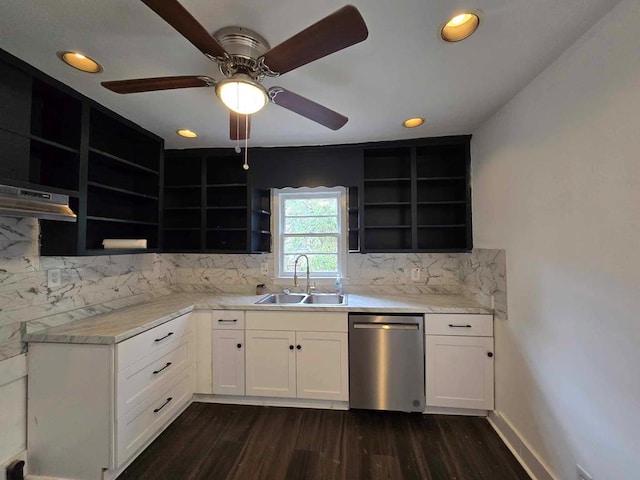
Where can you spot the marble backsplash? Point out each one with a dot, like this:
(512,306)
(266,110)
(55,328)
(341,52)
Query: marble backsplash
(85,281)
(89,285)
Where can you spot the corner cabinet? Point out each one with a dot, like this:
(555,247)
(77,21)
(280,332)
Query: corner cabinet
(417,196)
(120,396)
(459,361)
(297,355)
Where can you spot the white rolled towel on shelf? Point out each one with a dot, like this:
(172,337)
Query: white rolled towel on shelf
(124,243)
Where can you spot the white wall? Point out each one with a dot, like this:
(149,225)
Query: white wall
(556,182)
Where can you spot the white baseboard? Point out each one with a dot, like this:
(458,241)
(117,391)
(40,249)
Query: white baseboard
(520,448)
(272,402)
(455,411)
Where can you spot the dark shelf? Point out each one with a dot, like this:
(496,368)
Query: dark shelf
(120,251)
(433,179)
(176,229)
(261,212)
(223,229)
(52,143)
(122,160)
(119,220)
(460,225)
(444,202)
(225,185)
(121,190)
(228,207)
(387,204)
(181,208)
(386,180)
(261,232)
(181,187)
(384,227)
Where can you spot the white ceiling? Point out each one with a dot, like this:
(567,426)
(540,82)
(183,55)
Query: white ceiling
(403,69)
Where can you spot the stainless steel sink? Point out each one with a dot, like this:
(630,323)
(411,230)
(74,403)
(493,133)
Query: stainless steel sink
(280,298)
(325,299)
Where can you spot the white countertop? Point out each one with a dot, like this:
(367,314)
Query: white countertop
(121,324)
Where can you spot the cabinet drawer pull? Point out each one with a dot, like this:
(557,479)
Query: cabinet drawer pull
(459,326)
(489,354)
(162,338)
(155,372)
(239,345)
(156,410)
(222,320)
(290,347)
(299,347)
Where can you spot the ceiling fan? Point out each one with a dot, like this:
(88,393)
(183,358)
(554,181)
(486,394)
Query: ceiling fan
(245,59)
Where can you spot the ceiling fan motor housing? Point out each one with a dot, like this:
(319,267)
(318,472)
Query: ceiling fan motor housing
(244,47)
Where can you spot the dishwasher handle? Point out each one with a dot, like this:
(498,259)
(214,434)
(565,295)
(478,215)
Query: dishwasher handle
(386,326)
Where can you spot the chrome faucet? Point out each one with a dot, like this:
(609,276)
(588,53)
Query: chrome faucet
(295,273)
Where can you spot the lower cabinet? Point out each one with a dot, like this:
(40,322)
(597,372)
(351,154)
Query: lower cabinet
(459,361)
(94,407)
(285,358)
(228,362)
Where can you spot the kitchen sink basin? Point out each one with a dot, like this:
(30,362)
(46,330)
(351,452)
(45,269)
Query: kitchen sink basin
(325,299)
(280,298)
(302,299)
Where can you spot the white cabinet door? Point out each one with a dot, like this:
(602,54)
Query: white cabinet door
(459,372)
(322,365)
(270,363)
(201,321)
(228,362)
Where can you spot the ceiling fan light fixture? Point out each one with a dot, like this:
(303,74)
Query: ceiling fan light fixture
(460,26)
(186,133)
(413,122)
(80,61)
(242,94)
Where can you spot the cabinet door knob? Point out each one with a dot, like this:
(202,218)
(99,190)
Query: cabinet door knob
(239,345)
(299,347)
(489,354)
(290,347)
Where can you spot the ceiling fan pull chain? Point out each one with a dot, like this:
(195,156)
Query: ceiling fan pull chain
(246,141)
(238,135)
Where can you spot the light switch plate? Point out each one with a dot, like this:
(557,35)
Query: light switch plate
(53,278)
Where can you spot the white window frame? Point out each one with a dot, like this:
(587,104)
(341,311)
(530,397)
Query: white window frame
(277,197)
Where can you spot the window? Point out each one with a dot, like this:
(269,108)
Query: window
(310,221)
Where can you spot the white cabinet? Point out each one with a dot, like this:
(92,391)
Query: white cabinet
(228,352)
(271,363)
(322,365)
(94,407)
(459,361)
(297,355)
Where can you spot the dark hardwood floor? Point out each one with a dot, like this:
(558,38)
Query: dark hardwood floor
(225,442)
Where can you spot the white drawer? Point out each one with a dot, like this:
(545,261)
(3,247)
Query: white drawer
(143,378)
(228,319)
(471,325)
(143,422)
(151,341)
(298,321)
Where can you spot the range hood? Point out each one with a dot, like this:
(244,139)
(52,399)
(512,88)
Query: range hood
(28,202)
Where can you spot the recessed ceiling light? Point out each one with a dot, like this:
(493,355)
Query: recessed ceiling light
(79,61)
(185,132)
(413,122)
(460,27)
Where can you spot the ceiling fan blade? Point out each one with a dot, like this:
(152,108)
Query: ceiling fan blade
(158,83)
(307,108)
(341,29)
(239,129)
(180,19)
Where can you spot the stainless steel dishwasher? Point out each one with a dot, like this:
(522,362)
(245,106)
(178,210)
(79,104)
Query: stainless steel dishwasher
(386,362)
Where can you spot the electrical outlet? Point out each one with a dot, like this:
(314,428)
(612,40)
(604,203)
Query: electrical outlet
(415,274)
(264,268)
(53,278)
(582,474)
